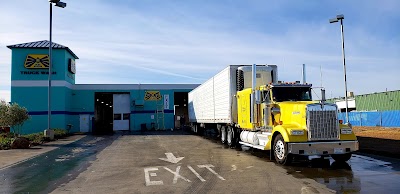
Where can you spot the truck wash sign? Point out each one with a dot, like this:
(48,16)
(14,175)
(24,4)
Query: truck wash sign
(37,61)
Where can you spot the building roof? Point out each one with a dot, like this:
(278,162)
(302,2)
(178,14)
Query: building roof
(42,44)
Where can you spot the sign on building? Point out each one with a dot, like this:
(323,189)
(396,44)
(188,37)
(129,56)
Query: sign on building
(166,101)
(36,61)
(152,95)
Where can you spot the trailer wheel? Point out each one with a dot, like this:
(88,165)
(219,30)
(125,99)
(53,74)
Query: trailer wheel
(280,151)
(230,138)
(223,134)
(193,128)
(341,157)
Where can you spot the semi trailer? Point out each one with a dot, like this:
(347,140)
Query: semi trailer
(248,106)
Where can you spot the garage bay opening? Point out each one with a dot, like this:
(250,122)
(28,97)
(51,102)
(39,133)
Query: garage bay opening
(112,112)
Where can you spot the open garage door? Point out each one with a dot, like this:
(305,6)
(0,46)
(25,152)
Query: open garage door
(122,112)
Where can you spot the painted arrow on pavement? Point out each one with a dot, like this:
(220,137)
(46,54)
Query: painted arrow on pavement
(171,158)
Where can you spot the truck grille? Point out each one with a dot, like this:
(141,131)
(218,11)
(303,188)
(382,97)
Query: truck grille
(322,123)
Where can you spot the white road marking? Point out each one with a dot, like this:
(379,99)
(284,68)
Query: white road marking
(171,158)
(195,173)
(208,166)
(147,177)
(177,175)
(250,167)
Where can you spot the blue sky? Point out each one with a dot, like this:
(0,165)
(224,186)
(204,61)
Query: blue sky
(171,41)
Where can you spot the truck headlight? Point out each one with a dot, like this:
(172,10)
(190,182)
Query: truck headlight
(346,131)
(297,132)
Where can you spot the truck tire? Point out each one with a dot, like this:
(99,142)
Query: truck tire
(341,157)
(230,138)
(223,135)
(280,151)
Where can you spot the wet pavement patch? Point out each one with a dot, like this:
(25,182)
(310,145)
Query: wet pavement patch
(44,173)
(364,173)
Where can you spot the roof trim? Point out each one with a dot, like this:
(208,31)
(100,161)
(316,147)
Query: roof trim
(42,44)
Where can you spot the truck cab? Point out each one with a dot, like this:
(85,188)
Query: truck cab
(288,122)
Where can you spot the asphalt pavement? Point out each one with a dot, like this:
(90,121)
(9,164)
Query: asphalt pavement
(178,162)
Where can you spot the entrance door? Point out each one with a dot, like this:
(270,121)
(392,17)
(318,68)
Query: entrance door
(84,123)
(122,111)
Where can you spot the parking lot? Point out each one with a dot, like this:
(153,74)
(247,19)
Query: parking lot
(178,162)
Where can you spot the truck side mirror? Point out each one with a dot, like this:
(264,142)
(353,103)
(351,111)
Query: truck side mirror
(258,96)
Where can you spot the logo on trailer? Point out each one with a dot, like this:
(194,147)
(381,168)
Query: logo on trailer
(37,62)
(71,66)
(152,95)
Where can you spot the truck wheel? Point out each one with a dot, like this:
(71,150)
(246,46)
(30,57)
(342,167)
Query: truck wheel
(280,151)
(341,157)
(223,134)
(230,138)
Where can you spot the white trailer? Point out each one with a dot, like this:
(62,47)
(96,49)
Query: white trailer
(214,101)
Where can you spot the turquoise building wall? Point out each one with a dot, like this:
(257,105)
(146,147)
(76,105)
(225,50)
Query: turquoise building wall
(29,88)
(83,103)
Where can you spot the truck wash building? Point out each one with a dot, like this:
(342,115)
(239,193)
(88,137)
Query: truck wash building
(97,108)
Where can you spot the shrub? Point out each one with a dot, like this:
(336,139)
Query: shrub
(5,143)
(35,138)
(60,133)
(10,134)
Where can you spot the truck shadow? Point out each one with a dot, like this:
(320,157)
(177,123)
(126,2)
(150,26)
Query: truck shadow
(378,146)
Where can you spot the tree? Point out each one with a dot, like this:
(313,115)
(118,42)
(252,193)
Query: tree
(17,115)
(4,120)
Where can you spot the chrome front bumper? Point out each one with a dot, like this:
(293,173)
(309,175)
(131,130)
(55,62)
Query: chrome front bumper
(323,148)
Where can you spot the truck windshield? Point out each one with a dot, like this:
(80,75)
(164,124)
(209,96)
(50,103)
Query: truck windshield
(281,94)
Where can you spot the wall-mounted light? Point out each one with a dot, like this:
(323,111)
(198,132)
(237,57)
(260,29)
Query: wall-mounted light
(97,100)
(106,104)
(102,102)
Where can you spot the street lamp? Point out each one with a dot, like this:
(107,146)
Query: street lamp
(334,20)
(57,3)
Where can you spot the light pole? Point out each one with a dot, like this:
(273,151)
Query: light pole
(334,20)
(62,5)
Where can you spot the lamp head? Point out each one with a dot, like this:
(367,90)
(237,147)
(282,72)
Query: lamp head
(340,17)
(61,4)
(333,20)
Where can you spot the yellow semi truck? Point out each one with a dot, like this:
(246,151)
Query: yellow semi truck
(247,105)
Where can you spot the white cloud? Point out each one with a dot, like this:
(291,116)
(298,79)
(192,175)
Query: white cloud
(128,45)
